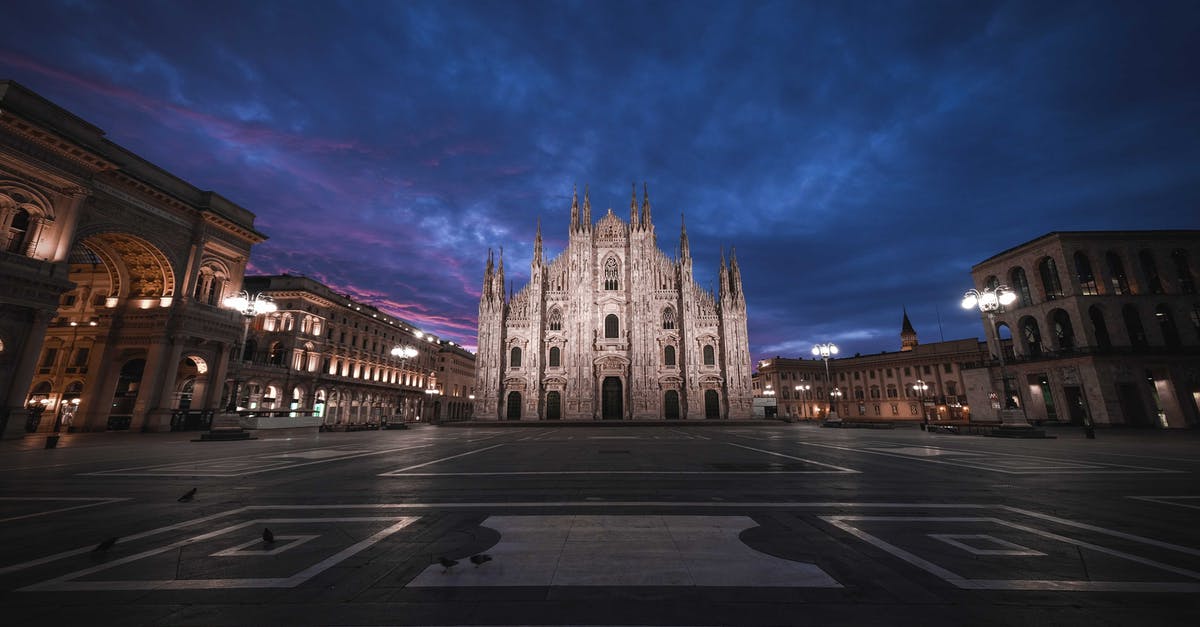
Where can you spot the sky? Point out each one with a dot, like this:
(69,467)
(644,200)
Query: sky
(860,156)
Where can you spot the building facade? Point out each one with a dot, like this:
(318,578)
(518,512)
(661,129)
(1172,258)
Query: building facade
(1105,328)
(612,329)
(112,273)
(326,354)
(918,383)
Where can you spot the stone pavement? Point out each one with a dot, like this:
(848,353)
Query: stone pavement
(668,525)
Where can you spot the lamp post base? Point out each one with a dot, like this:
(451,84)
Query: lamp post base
(1014,425)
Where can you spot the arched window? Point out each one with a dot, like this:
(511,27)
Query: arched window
(1064,335)
(611,272)
(275,355)
(514,357)
(669,356)
(1099,328)
(1116,273)
(1133,325)
(1050,284)
(1083,271)
(1032,337)
(710,357)
(555,357)
(1183,271)
(1021,283)
(554,320)
(1166,323)
(668,318)
(991,282)
(612,326)
(1150,267)
(16,232)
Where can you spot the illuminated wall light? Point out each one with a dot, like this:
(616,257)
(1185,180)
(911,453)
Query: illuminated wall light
(111,302)
(165,301)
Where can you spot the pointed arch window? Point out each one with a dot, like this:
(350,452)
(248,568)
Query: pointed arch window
(668,318)
(555,319)
(1021,282)
(555,357)
(1083,271)
(1050,283)
(514,357)
(710,356)
(669,356)
(611,272)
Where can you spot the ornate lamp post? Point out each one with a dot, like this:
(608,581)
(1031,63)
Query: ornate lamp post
(920,387)
(802,392)
(991,301)
(405,353)
(226,425)
(825,351)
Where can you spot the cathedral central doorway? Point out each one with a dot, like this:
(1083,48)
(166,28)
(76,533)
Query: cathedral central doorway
(611,398)
(553,406)
(671,405)
(712,404)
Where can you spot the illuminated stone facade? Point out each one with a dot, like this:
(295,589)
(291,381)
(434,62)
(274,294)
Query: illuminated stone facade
(1106,328)
(111,275)
(612,328)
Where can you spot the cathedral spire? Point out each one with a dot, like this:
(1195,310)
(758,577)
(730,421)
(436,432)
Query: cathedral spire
(537,244)
(587,208)
(487,278)
(735,273)
(633,208)
(498,280)
(574,207)
(685,252)
(723,280)
(908,335)
(645,206)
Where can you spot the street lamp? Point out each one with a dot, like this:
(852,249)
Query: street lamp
(802,393)
(226,425)
(835,396)
(920,388)
(991,301)
(825,351)
(405,353)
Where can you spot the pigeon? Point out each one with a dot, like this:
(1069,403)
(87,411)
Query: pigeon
(446,564)
(104,546)
(480,559)
(268,537)
(188,496)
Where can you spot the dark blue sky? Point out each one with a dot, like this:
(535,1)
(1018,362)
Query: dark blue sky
(861,156)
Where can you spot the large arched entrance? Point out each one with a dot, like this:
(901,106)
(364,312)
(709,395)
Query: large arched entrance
(553,406)
(671,405)
(712,404)
(612,407)
(514,406)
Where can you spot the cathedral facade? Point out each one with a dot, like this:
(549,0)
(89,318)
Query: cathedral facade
(613,329)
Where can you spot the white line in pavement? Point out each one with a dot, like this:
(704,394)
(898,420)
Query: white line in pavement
(1167,500)
(397,473)
(183,467)
(809,461)
(480,450)
(97,501)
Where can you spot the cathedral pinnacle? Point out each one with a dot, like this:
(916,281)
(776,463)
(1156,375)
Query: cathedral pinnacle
(685,251)
(537,244)
(587,208)
(633,208)
(908,335)
(645,206)
(574,207)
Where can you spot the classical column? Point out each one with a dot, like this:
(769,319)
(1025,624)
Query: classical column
(36,225)
(149,389)
(23,374)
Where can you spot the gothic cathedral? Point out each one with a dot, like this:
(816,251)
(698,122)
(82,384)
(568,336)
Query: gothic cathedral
(612,329)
